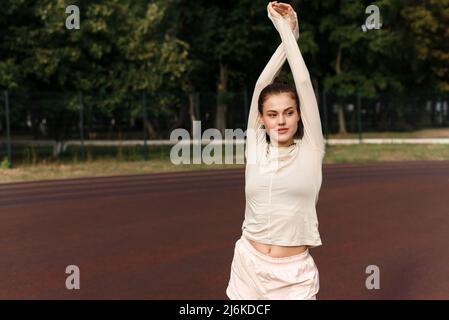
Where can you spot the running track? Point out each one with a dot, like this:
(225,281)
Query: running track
(172,235)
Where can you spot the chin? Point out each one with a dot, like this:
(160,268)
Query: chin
(281,140)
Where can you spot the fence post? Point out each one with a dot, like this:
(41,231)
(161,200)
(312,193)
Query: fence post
(245,105)
(197,105)
(359,120)
(445,97)
(144,115)
(324,104)
(8,133)
(81,123)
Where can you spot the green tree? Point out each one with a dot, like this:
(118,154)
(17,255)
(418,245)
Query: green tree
(119,49)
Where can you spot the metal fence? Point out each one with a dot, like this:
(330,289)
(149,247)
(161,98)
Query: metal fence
(36,125)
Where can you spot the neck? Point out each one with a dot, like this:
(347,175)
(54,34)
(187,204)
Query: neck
(282,145)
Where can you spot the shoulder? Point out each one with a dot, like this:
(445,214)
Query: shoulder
(320,152)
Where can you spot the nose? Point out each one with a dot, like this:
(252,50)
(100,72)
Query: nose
(281,120)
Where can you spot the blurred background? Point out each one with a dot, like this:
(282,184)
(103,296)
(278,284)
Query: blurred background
(104,98)
(98,97)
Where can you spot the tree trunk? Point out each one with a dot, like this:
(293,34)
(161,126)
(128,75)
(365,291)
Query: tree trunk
(220,116)
(151,132)
(341,113)
(341,119)
(194,113)
(182,117)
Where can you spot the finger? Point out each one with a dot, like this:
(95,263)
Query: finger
(284,9)
(272,11)
(288,8)
(280,9)
(283,13)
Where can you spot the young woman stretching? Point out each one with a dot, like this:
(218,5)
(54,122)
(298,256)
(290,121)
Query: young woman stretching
(283,179)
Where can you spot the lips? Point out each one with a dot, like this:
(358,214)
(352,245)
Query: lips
(282,130)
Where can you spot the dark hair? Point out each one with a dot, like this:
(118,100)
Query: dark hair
(278,87)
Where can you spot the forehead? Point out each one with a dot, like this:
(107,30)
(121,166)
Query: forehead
(279,102)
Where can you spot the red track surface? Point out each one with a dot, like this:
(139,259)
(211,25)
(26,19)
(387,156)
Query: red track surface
(172,235)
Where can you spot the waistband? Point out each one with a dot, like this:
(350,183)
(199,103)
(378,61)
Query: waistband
(294,258)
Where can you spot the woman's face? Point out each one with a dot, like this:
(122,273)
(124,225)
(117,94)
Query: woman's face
(280,117)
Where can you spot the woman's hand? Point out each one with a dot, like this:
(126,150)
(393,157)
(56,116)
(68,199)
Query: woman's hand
(285,10)
(272,11)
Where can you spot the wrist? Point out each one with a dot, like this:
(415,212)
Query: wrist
(293,18)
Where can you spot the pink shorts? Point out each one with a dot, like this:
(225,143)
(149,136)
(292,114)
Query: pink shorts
(256,276)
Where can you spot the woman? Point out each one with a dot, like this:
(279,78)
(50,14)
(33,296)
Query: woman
(283,178)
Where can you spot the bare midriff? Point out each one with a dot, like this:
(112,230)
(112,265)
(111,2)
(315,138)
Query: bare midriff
(277,251)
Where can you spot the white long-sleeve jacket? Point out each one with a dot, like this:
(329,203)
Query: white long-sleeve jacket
(282,184)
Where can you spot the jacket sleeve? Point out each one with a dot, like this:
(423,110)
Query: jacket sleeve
(309,112)
(255,134)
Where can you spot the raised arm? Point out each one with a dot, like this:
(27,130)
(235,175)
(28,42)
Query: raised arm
(269,73)
(310,116)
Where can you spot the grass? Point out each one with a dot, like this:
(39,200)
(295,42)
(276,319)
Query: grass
(105,167)
(132,163)
(363,153)
(424,133)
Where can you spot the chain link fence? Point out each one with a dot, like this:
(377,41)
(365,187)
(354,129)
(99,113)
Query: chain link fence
(79,126)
